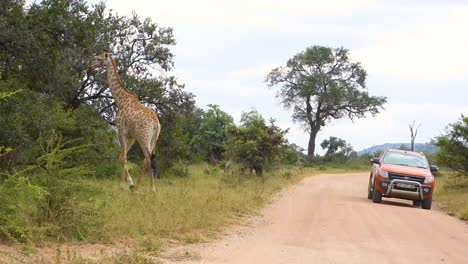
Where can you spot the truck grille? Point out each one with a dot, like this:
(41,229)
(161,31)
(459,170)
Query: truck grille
(414,189)
(396,176)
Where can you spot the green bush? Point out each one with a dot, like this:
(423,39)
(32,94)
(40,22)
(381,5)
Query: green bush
(180,169)
(212,135)
(255,145)
(28,117)
(20,210)
(52,198)
(453,146)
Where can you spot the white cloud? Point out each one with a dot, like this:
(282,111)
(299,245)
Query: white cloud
(257,72)
(226,48)
(241,15)
(391,126)
(433,51)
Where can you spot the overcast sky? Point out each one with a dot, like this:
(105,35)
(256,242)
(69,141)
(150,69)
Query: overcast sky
(415,54)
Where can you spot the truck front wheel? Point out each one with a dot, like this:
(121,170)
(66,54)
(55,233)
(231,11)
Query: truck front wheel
(376,196)
(426,204)
(370,193)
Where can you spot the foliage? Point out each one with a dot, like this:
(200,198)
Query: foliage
(51,198)
(179,169)
(20,209)
(3,97)
(453,146)
(46,49)
(212,133)
(254,144)
(292,154)
(184,206)
(24,119)
(59,38)
(175,143)
(452,193)
(29,116)
(321,84)
(336,148)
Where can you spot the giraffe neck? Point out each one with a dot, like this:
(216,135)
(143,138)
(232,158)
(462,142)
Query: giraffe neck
(118,89)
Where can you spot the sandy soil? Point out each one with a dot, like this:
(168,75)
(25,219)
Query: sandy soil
(328,219)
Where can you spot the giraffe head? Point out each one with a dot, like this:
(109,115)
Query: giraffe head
(100,61)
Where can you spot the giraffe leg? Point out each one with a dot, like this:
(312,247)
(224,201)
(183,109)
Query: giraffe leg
(126,144)
(154,166)
(146,168)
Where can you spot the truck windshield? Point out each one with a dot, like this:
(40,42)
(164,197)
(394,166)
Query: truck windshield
(405,159)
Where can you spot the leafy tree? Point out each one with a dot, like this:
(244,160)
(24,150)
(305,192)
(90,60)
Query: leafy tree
(175,144)
(454,146)
(55,41)
(336,147)
(3,96)
(45,49)
(254,144)
(321,84)
(212,135)
(293,154)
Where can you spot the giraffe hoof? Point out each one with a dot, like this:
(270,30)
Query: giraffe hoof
(132,187)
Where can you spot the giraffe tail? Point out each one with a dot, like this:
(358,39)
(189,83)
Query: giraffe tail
(154,166)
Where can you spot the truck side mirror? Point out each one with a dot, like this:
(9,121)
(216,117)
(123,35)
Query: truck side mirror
(434,168)
(375,160)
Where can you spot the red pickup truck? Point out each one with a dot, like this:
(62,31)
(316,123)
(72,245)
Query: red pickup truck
(402,174)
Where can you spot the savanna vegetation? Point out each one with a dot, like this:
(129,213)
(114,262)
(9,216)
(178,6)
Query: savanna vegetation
(58,145)
(452,185)
(59,148)
(321,84)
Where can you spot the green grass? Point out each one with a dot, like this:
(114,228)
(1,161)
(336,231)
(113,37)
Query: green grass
(345,166)
(452,192)
(188,208)
(193,208)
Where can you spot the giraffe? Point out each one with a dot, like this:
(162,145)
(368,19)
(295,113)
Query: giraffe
(134,121)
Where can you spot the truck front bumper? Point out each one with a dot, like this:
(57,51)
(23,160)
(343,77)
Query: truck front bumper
(392,188)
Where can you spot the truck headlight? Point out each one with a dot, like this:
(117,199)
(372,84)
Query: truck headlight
(429,179)
(383,173)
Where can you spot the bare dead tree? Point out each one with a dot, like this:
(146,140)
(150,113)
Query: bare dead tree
(414,133)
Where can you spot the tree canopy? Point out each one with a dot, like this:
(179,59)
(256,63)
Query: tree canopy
(45,50)
(321,84)
(212,134)
(336,147)
(454,146)
(254,144)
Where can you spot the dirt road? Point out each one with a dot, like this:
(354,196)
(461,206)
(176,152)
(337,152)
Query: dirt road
(328,219)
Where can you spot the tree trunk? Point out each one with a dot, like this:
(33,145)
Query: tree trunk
(311,149)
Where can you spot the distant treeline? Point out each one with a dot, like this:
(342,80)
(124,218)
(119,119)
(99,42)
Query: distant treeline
(421,147)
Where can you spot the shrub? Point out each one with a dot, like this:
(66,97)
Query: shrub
(453,146)
(255,145)
(51,198)
(29,117)
(212,136)
(180,169)
(20,209)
